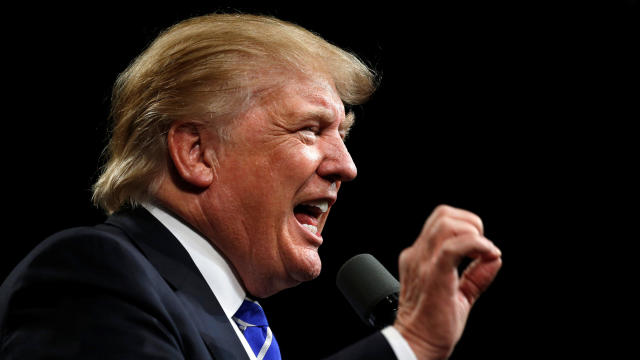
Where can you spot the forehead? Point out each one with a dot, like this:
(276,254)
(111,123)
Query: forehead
(318,96)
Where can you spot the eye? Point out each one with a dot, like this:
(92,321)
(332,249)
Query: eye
(309,134)
(310,130)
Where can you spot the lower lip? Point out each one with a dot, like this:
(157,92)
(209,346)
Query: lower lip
(316,238)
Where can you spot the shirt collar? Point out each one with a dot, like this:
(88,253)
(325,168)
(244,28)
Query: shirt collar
(214,268)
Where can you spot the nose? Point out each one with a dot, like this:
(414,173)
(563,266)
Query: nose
(337,164)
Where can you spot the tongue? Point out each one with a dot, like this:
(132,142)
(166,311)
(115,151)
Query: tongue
(306,219)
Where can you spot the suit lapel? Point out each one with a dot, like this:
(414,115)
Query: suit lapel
(175,265)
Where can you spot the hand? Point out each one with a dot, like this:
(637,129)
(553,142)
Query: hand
(434,300)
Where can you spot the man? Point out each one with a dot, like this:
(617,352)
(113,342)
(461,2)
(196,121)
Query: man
(225,158)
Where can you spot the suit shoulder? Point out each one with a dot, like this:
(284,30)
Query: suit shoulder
(96,255)
(99,243)
(91,284)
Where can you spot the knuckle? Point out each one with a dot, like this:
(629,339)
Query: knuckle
(472,238)
(476,220)
(480,223)
(442,227)
(406,256)
(449,226)
(443,210)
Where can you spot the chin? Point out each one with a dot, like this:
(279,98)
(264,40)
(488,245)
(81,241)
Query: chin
(301,266)
(304,265)
(311,265)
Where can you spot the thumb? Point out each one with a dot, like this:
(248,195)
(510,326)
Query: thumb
(478,276)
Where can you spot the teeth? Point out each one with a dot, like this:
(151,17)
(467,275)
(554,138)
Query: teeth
(323,205)
(313,229)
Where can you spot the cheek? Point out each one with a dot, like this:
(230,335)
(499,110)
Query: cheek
(298,163)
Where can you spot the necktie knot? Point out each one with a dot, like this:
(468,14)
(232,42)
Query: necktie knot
(253,323)
(251,312)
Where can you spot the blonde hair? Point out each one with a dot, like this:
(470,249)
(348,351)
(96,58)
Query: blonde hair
(207,69)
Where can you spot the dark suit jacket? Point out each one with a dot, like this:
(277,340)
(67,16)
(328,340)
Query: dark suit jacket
(125,289)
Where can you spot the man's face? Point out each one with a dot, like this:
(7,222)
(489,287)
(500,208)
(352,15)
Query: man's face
(277,178)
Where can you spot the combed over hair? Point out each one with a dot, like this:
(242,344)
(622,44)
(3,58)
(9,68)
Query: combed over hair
(207,69)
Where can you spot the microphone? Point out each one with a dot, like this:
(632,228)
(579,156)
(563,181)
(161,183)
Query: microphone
(370,289)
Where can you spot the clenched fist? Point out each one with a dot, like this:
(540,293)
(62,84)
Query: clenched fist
(434,299)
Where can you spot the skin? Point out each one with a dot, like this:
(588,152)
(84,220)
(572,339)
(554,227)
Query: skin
(435,300)
(241,193)
(287,149)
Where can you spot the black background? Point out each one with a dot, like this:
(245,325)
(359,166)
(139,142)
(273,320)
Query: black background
(521,112)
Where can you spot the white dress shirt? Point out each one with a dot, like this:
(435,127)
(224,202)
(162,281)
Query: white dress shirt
(226,287)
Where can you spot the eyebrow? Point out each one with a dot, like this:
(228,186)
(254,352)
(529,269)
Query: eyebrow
(345,126)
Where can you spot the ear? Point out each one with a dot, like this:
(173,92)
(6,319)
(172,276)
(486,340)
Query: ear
(187,149)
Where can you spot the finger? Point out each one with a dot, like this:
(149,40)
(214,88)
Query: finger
(446,211)
(478,276)
(444,228)
(455,249)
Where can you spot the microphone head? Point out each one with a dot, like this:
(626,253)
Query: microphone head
(370,289)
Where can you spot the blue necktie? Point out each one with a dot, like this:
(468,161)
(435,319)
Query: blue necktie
(253,324)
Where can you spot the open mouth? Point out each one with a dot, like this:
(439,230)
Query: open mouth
(309,213)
